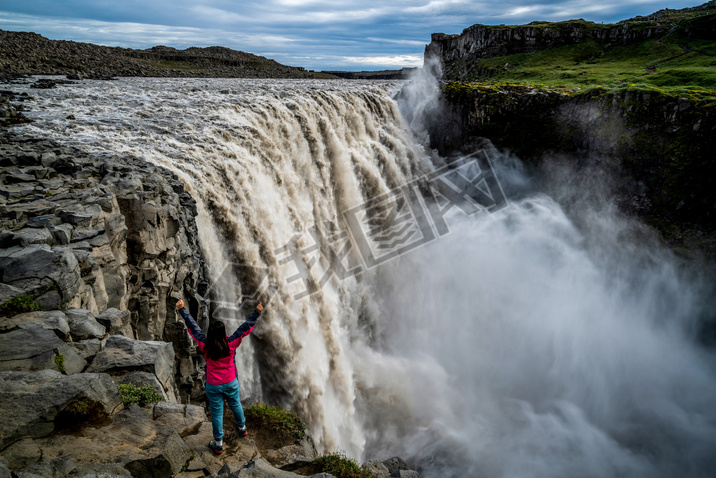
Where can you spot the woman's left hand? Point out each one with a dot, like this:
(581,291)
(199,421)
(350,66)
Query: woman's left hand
(180,304)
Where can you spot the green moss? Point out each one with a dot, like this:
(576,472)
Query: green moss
(277,419)
(142,396)
(340,466)
(19,305)
(60,361)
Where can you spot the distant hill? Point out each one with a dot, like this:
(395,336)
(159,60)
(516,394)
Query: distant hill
(23,53)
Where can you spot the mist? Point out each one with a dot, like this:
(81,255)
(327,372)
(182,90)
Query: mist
(555,337)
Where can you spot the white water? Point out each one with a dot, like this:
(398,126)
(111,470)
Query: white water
(518,345)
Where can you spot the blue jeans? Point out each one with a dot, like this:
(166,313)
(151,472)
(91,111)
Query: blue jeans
(216,395)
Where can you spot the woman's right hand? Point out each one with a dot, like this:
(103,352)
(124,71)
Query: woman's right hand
(260,307)
(180,304)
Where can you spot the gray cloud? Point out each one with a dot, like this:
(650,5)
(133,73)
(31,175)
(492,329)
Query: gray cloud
(316,34)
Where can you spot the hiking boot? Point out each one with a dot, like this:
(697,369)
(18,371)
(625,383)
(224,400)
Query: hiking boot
(218,449)
(243,432)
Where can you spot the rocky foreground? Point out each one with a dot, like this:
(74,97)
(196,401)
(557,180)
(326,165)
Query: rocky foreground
(93,254)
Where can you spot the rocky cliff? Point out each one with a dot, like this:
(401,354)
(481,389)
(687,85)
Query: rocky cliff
(114,237)
(459,54)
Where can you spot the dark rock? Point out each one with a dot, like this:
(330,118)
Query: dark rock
(395,464)
(122,353)
(62,234)
(50,275)
(32,402)
(77,219)
(43,221)
(116,321)
(83,324)
(53,320)
(184,419)
(28,236)
(8,292)
(36,348)
(87,349)
(4,470)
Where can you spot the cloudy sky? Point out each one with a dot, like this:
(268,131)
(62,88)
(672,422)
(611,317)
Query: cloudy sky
(316,34)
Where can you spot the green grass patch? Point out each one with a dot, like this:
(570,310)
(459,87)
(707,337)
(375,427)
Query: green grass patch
(60,361)
(340,466)
(19,305)
(667,68)
(276,419)
(142,396)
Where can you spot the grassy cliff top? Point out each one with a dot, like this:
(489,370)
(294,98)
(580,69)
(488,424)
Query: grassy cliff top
(680,62)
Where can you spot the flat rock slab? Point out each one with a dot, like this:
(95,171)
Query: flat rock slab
(35,349)
(53,320)
(122,353)
(31,401)
(184,419)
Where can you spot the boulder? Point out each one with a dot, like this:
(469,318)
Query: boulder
(30,235)
(36,348)
(86,233)
(296,454)
(83,324)
(116,321)
(395,464)
(122,353)
(53,320)
(32,404)
(4,470)
(77,219)
(376,469)
(43,221)
(51,275)
(87,349)
(61,234)
(184,419)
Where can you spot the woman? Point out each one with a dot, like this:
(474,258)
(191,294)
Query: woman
(221,377)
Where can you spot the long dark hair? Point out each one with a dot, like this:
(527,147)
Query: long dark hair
(216,345)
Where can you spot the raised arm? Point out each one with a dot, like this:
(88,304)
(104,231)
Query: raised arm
(246,328)
(194,329)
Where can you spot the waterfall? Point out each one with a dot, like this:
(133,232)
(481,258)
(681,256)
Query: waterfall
(551,337)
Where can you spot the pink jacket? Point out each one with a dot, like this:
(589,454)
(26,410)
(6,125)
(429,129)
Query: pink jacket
(219,372)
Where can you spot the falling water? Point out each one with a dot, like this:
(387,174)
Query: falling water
(550,338)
